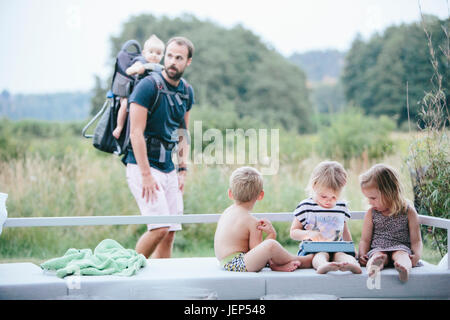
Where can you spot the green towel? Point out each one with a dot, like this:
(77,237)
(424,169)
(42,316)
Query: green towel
(109,258)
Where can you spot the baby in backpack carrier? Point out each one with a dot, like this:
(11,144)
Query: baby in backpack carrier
(151,56)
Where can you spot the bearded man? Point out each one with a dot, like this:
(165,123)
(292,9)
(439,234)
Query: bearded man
(154,120)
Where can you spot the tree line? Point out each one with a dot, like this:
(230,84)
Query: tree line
(231,69)
(64,106)
(320,65)
(392,71)
(238,77)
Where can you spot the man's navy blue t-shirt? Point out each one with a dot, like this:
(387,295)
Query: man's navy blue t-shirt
(163,123)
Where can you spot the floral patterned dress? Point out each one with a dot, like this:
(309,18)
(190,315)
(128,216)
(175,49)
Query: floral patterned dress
(390,233)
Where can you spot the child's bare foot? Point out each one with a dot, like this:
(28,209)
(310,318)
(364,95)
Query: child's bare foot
(330,266)
(403,272)
(288,267)
(376,265)
(117,132)
(346,266)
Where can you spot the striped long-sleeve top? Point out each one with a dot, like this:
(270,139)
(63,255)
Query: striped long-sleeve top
(329,221)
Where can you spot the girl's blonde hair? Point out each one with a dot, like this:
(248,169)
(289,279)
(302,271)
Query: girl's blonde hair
(328,174)
(387,181)
(155,42)
(246,183)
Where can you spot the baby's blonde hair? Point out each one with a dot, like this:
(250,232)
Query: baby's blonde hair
(327,174)
(387,181)
(246,183)
(154,42)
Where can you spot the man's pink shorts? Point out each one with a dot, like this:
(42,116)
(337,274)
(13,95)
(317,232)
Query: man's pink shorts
(169,201)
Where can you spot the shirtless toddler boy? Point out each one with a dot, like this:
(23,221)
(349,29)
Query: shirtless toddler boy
(238,242)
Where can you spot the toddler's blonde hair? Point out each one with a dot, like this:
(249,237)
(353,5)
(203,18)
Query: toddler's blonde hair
(246,183)
(387,181)
(327,174)
(154,42)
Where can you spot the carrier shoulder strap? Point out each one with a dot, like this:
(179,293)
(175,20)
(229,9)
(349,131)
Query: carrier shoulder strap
(161,87)
(161,84)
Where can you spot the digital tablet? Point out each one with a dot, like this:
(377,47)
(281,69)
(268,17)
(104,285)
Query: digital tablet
(307,247)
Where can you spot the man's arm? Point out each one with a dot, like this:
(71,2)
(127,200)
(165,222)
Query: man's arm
(138,121)
(183,151)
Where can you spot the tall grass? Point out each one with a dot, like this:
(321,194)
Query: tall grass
(429,157)
(73,186)
(85,182)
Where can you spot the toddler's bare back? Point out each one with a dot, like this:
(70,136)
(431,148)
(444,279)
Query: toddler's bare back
(233,232)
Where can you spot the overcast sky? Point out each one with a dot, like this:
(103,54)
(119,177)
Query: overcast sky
(53,45)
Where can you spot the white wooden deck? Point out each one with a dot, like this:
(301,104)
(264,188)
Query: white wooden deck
(199,278)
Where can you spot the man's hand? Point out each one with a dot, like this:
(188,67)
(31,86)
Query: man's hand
(149,187)
(181,178)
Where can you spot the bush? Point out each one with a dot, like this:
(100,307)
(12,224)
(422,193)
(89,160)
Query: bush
(351,133)
(11,146)
(48,139)
(429,158)
(430,169)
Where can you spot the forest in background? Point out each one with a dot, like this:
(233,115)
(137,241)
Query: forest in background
(260,85)
(390,69)
(64,106)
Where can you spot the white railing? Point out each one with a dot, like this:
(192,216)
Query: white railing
(184,219)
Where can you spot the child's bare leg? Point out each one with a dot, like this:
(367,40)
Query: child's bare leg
(287,267)
(376,263)
(121,117)
(321,262)
(306,262)
(402,263)
(348,262)
(271,250)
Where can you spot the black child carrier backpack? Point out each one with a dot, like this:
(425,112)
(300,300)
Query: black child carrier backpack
(121,86)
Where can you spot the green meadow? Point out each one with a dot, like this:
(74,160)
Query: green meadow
(59,173)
